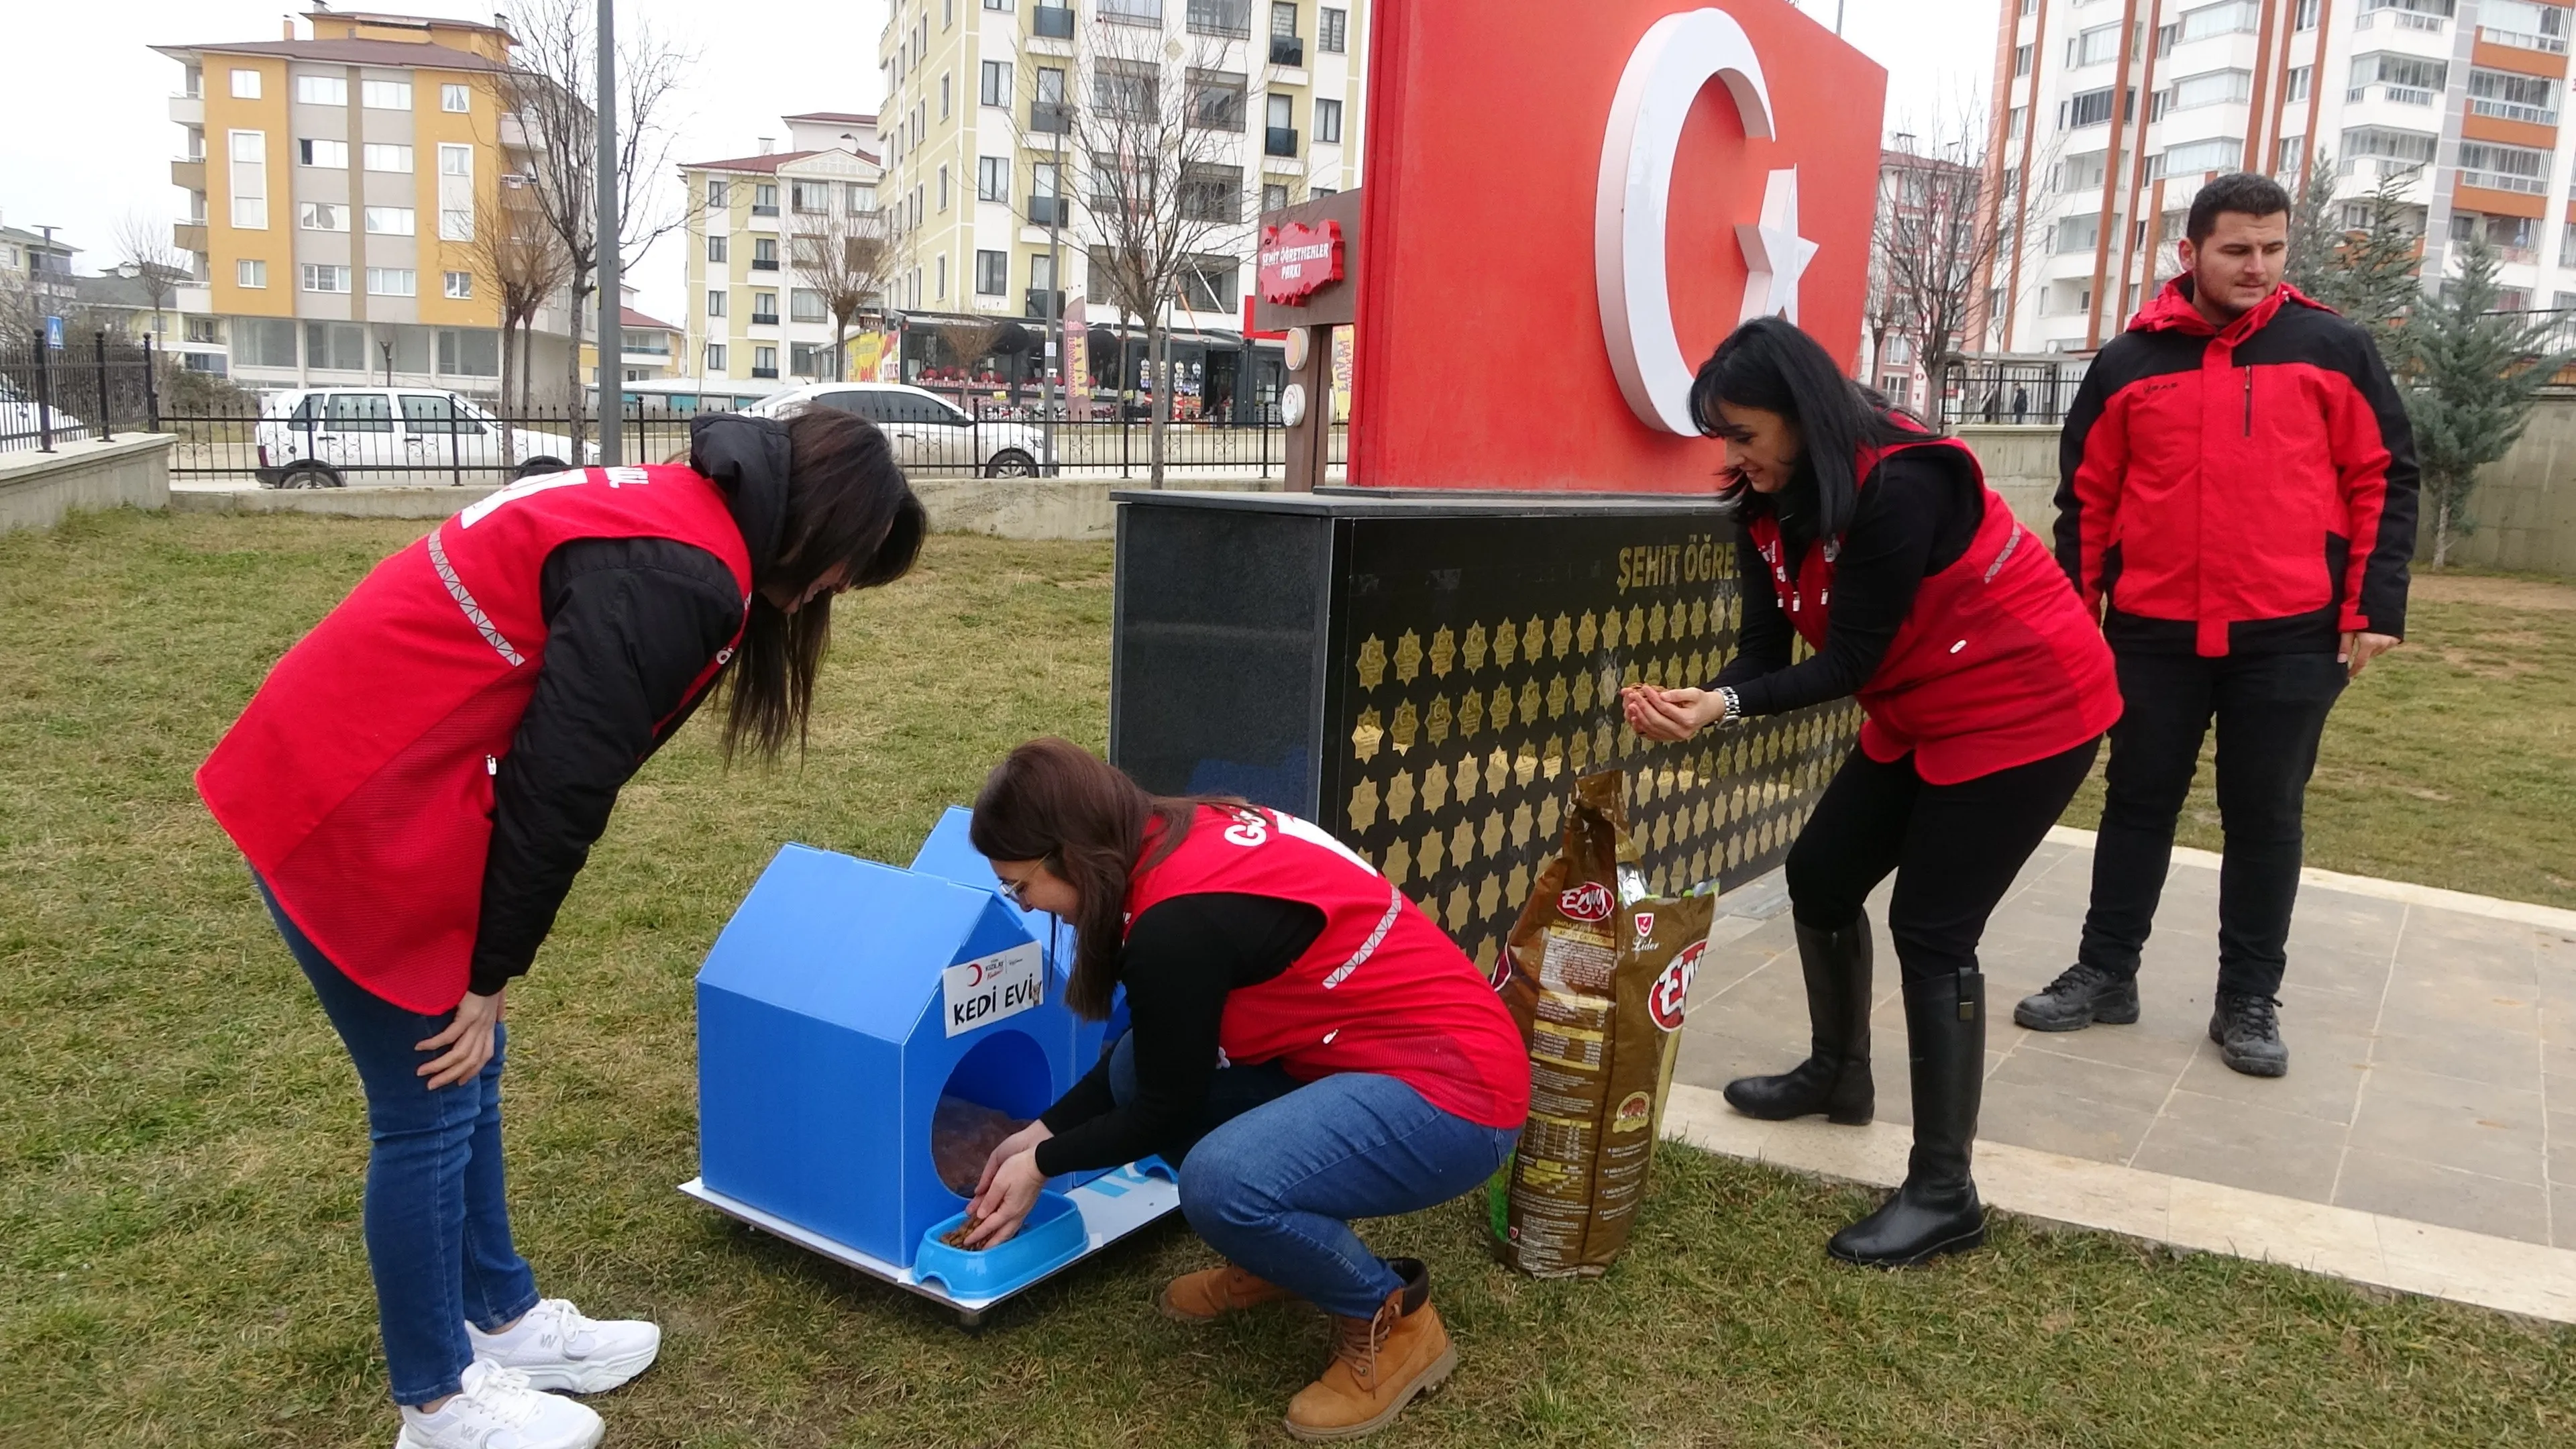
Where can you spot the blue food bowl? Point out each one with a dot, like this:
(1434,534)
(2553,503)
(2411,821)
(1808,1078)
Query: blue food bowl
(1051,1236)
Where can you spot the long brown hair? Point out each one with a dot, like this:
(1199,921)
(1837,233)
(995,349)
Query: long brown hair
(848,506)
(1053,801)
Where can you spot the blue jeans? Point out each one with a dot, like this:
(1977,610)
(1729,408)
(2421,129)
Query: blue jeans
(1282,1167)
(437,1224)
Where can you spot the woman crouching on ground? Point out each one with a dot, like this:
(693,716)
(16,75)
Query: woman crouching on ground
(419,780)
(1306,1045)
(1984,690)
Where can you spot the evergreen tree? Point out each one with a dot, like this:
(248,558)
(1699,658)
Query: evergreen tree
(2372,277)
(2314,236)
(2471,375)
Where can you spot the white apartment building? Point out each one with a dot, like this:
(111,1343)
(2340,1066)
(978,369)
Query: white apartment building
(753,316)
(980,92)
(2110,114)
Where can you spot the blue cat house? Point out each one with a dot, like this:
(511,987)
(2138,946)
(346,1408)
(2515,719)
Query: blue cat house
(838,1006)
(949,854)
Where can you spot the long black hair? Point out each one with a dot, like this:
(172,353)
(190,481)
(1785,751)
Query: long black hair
(848,506)
(1768,363)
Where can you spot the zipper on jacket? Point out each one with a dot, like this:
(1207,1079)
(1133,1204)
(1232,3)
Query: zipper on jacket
(2249,399)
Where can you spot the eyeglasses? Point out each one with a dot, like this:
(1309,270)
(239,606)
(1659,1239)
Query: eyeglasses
(1011,888)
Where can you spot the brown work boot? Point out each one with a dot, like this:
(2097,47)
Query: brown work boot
(1212,1293)
(1379,1364)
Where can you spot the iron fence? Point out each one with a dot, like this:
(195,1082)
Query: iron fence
(90,387)
(357,436)
(360,435)
(2025,393)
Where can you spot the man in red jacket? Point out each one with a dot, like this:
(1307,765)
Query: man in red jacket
(2239,503)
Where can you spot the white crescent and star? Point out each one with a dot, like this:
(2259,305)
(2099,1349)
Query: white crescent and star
(1675,59)
(1775,256)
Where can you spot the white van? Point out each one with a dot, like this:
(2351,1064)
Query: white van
(330,437)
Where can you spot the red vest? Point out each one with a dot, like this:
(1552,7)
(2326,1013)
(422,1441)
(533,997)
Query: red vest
(1996,666)
(359,779)
(1381,990)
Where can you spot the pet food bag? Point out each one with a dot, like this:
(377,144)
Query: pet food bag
(1598,972)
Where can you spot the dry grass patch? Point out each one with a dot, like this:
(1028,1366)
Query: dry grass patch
(181,1141)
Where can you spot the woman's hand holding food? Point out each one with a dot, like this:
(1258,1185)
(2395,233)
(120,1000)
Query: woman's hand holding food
(1009,1191)
(1670,714)
(1009,1186)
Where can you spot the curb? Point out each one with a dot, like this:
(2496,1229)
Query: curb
(2508,1276)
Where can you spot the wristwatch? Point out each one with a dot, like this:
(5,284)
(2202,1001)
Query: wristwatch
(1734,705)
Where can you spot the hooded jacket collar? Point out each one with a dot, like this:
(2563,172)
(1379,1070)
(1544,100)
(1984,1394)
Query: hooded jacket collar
(747,458)
(2172,311)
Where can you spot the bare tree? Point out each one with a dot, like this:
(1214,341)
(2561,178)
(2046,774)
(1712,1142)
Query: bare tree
(846,257)
(1881,316)
(1163,133)
(518,262)
(1938,232)
(549,100)
(2021,214)
(971,342)
(143,240)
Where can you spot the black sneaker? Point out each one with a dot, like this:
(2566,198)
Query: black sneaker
(2080,996)
(2248,1032)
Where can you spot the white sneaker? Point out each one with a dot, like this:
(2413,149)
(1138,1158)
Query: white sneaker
(498,1410)
(562,1352)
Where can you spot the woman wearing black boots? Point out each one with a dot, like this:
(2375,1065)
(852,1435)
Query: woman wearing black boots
(1984,692)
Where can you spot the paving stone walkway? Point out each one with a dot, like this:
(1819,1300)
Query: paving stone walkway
(2432,1045)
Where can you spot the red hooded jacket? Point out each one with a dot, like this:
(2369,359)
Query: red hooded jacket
(2246,489)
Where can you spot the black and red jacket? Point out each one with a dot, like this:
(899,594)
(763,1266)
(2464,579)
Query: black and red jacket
(2246,489)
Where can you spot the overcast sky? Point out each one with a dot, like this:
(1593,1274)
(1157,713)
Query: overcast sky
(85,135)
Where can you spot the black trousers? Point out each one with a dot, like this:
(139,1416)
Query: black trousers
(2271,710)
(1954,848)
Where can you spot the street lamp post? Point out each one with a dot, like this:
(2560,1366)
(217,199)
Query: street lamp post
(610,305)
(1055,300)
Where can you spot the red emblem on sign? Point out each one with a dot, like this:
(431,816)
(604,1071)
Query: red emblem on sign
(1672,989)
(1587,902)
(1298,261)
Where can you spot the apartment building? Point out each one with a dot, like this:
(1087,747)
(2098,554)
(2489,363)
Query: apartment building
(1926,208)
(36,279)
(333,179)
(2110,114)
(983,150)
(761,231)
(649,349)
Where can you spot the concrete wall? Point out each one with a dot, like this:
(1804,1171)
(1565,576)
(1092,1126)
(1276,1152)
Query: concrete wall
(1027,508)
(2524,508)
(37,489)
(333,502)
(2021,463)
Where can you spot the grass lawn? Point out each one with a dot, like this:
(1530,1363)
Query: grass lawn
(181,1141)
(2452,760)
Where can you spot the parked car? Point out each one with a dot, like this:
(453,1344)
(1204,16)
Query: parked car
(20,417)
(329,437)
(928,432)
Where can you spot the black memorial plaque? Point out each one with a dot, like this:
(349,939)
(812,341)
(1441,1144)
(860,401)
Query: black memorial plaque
(1426,674)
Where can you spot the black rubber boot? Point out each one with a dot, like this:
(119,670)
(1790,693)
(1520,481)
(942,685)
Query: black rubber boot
(1936,1211)
(1834,1079)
